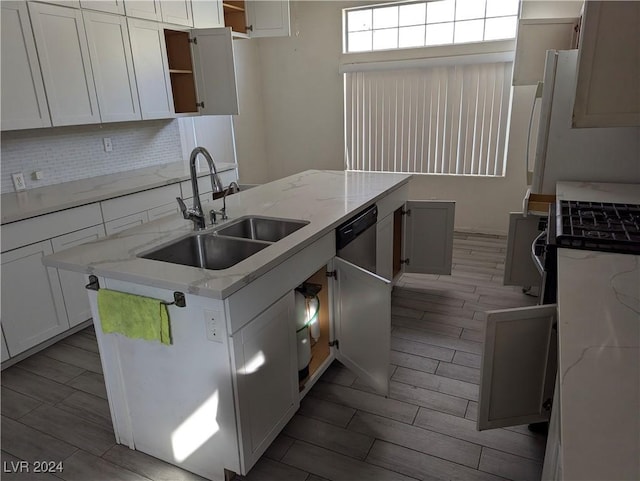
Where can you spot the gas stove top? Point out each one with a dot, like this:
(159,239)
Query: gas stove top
(598,226)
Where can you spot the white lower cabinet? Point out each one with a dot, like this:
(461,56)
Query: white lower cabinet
(552,467)
(5,350)
(136,209)
(265,374)
(73,283)
(362,322)
(124,223)
(518,366)
(32,303)
(414,236)
(520,269)
(384,247)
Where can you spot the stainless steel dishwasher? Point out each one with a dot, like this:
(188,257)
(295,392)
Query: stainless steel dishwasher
(356,239)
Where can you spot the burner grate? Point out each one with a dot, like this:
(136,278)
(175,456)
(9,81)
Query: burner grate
(599,226)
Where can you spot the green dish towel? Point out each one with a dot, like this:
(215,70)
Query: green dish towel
(134,316)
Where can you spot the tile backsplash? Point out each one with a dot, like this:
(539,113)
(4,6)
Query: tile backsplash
(72,153)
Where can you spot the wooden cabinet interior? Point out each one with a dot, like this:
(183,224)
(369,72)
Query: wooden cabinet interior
(320,350)
(234,15)
(181,71)
(397,241)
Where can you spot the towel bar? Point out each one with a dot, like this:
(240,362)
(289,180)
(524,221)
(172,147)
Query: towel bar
(178,297)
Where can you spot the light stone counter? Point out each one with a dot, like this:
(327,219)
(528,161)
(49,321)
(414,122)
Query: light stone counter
(599,351)
(45,200)
(324,198)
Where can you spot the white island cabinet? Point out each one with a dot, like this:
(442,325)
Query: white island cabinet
(217,397)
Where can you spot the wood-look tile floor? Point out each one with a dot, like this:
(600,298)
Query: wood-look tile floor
(54,404)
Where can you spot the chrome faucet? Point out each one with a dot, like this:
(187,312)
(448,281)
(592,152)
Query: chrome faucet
(195,214)
(223,211)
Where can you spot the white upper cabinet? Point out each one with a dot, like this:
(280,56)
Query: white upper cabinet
(264,18)
(62,48)
(24,104)
(177,12)
(110,53)
(518,366)
(109,6)
(428,237)
(207,13)
(268,18)
(202,71)
(145,9)
(215,72)
(151,69)
(608,89)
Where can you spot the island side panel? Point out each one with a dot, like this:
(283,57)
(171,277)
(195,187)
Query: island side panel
(173,402)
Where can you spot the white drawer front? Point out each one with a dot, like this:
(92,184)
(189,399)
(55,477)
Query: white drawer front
(163,210)
(118,225)
(142,201)
(29,231)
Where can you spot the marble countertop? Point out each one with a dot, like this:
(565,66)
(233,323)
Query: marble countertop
(599,351)
(324,198)
(45,200)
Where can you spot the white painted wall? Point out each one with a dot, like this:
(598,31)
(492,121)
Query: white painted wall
(303,107)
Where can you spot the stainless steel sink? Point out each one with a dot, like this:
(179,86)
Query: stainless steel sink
(261,228)
(207,251)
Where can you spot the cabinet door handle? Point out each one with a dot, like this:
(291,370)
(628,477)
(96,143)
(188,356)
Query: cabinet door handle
(249,27)
(200,104)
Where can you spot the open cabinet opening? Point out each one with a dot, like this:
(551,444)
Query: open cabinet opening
(234,15)
(183,85)
(397,241)
(320,349)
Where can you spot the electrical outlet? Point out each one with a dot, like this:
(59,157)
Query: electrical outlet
(18,181)
(212,321)
(108,146)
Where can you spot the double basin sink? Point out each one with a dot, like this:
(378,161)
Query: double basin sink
(225,246)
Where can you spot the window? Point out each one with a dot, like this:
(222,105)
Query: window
(428,23)
(433,120)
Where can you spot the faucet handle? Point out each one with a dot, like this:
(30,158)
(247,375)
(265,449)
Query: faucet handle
(213,215)
(183,207)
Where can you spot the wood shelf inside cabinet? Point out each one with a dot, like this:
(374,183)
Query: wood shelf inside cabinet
(233,6)
(173,70)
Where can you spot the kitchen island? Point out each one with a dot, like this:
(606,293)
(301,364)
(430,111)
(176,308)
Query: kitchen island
(215,398)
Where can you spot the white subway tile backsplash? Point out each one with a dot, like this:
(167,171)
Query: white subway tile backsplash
(72,153)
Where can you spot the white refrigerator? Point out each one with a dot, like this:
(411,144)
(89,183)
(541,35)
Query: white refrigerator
(564,153)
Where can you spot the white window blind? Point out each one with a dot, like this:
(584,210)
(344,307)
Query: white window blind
(434,120)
